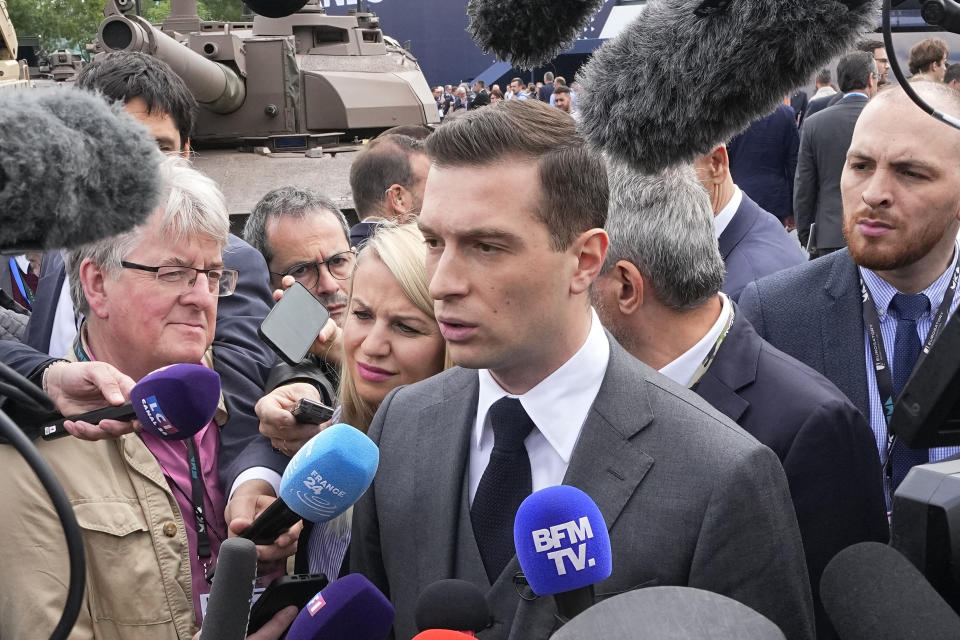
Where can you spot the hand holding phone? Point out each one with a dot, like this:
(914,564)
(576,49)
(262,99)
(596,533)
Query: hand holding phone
(293,324)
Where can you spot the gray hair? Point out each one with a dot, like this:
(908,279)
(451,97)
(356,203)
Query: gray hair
(854,71)
(663,224)
(191,205)
(297,202)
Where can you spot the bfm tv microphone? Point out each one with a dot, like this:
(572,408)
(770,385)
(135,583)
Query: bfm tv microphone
(350,608)
(172,403)
(563,546)
(229,607)
(674,84)
(73,170)
(452,604)
(529,33)
(656,613)
(871,591)
(321,481)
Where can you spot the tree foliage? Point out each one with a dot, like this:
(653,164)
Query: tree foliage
(72,24)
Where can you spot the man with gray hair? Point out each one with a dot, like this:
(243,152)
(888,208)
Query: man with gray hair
(824,140)
(659,295)
(151,510)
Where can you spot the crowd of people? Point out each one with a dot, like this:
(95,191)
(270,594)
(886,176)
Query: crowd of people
(511,312)
(464,97)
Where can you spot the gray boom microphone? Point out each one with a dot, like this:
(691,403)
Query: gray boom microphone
(687,75)
(229,608)
(73,169)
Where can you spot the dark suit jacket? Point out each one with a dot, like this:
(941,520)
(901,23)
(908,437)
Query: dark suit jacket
(763,160)
(754,245)
(688,497)
(813,313)
(825,445)
(824,140)
(799,102)
(544,93)
(815,105)
(240,357)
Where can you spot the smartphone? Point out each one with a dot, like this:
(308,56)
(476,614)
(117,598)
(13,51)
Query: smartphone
(308,411)
(293,324)
(294,590)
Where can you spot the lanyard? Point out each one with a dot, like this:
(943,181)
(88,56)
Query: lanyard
(196,500)
(712,354)
(871,322)
(24,288)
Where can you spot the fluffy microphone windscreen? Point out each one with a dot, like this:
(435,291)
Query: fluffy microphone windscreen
(673,85)
(669,613)
(350,608)
(229,607)
(529,33)
(177,401)
(72,169)
(275,8)
(329,473)
(562,541)
(871,591)
(452,604)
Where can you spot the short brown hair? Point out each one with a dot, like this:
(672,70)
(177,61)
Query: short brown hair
(573,180)
(925,53)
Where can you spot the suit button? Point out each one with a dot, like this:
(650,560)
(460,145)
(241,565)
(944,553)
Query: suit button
(169,529)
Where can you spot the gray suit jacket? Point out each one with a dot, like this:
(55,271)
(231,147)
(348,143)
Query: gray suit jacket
(813,313)
(689,499)
(824,140)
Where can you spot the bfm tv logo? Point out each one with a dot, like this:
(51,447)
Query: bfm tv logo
(552,541)
(155,414)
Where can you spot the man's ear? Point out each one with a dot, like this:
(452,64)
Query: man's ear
(185,151)
(590,250)
(630,287)
(399,201)
(93,279)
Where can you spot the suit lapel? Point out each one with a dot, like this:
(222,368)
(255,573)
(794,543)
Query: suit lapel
(738,227)
(734,368)
(841,331)
(442,454)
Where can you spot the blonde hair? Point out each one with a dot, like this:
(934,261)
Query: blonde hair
(402,251)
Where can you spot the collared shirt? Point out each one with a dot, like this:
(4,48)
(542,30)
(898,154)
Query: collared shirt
(723,218)
(682,369)
(558,406)
(823,91)
(855,93)
(882,293)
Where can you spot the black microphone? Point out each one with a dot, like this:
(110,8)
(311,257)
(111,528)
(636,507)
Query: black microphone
(275,8)
(229,607)
(529,33)
(73,170)
(452,604)
(871,591)
(674,84)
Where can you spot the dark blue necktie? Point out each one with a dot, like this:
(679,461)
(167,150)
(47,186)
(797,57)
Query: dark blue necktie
(503,486)
(906,350)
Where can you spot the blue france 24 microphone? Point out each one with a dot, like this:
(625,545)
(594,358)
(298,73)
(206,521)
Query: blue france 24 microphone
(322,480)
(563,546)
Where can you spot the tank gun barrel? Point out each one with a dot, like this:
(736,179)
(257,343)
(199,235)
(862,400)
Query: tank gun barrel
(215,86)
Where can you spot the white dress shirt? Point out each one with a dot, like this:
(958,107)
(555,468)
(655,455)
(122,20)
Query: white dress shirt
(558,406)
(685,367)
(722,219)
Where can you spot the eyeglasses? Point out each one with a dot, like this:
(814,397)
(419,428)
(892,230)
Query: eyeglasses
(220,282)
(339,265)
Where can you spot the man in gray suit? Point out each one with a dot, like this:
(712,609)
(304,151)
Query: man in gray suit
(824,140)
(688,497)
(901,203)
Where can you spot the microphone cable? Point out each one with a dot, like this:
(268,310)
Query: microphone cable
(22,388)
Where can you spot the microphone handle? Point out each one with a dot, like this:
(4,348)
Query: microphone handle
(53,429)
(274,520)
(570,604)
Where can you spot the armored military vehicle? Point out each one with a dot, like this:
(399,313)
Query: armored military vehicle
(13,73)
(283,95)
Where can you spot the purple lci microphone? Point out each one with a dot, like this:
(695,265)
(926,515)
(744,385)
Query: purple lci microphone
(172,403)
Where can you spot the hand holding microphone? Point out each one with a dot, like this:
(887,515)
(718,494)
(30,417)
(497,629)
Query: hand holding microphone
(173,403)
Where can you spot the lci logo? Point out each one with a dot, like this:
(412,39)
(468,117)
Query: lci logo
(552,541)
(156,417)
(315,604)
